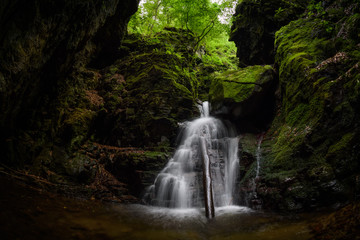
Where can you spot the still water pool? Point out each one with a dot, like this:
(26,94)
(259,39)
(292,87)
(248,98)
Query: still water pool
(32,214)
(233,222)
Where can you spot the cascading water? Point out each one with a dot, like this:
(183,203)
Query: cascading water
(203,170)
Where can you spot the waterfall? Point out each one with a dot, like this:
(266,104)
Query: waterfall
(203,170)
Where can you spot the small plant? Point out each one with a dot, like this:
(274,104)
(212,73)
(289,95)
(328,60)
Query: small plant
(316,8)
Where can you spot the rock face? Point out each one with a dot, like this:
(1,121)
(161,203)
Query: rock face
(255,24)
(43,42)
(311,150)
(79,107)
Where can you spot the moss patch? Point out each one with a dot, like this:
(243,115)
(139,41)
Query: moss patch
(315,134)
(239,85)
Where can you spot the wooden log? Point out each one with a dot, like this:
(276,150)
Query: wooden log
(207,183)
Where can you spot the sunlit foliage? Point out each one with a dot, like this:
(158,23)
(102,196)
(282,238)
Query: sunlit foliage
(208,20)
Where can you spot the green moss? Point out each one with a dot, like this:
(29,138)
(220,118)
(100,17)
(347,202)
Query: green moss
(352,26)
(298,115)
(298,50)
(238,85)
(314,134)
(341,145)
(324,172)
(288,144)
(158,89)
(154,154)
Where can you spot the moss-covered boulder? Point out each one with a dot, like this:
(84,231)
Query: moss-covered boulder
(147,94)
(255,24)
(245,96)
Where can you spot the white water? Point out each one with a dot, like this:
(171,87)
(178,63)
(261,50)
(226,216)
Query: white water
(180,183)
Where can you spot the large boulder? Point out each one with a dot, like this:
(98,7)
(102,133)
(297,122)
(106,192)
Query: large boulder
(245,96)
(147,94)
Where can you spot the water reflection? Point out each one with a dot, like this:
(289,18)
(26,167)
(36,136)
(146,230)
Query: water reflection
(231,222)
(29,214)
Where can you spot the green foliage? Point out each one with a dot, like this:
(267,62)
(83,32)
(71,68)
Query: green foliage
(316,8)
(220,52)
(200,17)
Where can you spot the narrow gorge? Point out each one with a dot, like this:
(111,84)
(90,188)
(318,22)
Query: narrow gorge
(166,119)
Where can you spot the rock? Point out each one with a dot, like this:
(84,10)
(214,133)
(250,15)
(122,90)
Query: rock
(135,168)
(341,224)
(43,42)
(151,98)
(254,26)
(315,135)
(245,96)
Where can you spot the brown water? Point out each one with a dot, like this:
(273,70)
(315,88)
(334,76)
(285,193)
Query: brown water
(26,213)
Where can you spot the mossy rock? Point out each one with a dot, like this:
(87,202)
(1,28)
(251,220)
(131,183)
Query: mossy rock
(81,168)
(138,168)
(238,85)
(245,96)
(155,92)
(316,131)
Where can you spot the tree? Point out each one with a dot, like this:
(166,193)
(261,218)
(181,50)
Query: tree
(200,17)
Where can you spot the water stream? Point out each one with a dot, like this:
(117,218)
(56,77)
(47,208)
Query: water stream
(254,197)
(204,169)
(258,154)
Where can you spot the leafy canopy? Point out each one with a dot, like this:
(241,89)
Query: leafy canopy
(204,18)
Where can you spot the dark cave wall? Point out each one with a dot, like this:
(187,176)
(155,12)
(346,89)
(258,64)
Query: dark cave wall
(42,42)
